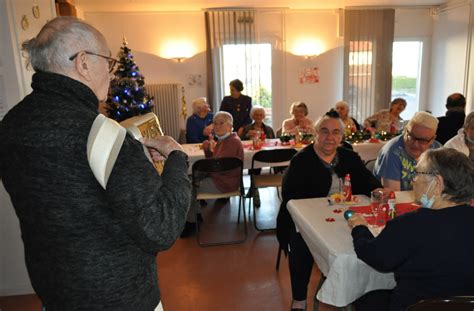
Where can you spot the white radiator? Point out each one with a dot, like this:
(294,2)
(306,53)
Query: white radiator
(168,102)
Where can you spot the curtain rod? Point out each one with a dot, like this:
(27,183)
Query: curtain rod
(245,8)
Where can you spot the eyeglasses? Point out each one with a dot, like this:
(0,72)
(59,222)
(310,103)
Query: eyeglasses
(426,173)
(422,141)
(110,60)
(326,132)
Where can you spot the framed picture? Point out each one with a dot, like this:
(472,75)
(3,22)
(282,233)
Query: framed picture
(147,126)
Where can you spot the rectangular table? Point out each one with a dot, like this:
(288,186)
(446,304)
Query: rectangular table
(366,150)
(330,243)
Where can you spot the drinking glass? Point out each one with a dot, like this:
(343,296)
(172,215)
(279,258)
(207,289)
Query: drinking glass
(378,205)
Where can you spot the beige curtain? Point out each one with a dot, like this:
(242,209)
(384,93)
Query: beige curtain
(226,26)
(368,41)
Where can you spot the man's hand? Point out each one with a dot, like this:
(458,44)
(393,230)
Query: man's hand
(356,220)
(160,147)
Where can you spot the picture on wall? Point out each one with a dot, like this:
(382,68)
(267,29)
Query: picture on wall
(309,75)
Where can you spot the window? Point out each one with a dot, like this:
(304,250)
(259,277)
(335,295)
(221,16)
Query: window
(406,69)
(252,64)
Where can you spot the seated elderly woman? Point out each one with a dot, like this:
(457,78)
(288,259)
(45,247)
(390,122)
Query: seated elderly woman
(464,140)
(430,250)
(387,120)
(299,121)
(342,109)
(257,113)
(199,125)
(228,145)
(314,172)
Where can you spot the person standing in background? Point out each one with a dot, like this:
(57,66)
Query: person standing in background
(238,105)
(449,125)
(90,242)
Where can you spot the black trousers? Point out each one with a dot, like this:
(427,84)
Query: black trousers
(377,300)
(301,263)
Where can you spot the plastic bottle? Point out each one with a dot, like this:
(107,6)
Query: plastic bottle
(347,189)
(392,212)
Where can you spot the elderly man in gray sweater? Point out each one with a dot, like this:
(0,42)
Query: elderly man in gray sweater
(90,242)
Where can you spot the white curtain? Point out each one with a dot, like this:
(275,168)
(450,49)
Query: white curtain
(368,41)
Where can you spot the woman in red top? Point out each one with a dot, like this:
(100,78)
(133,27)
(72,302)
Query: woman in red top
(227,144)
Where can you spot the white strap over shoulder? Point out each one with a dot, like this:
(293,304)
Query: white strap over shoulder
(103,146)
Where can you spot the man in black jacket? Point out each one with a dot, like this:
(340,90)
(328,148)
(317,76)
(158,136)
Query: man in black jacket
(449,125)
(90,241)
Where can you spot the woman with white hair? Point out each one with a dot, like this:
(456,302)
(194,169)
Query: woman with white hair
(464,140)
(228,144)
(257,113)
(199,125)
(342,109)
(430,250)
(314,172)
(299,121)
(387,120)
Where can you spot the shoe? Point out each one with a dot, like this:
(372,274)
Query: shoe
(189,229)
(298,309)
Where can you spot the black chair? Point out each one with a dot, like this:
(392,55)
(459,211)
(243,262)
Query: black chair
(267,158)
(461,303)
(369,164)
(216,166)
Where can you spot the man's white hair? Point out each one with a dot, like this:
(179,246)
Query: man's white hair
(424,119)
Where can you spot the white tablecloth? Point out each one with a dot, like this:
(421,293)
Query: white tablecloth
(330,243)
(366,150)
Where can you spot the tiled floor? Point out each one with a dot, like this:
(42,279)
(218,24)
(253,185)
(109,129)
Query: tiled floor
(234,277)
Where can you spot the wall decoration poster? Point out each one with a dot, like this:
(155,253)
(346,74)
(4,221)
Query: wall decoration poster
(309,75)
(194,80)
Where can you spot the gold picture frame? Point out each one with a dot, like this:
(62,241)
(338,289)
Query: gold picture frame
(147,126)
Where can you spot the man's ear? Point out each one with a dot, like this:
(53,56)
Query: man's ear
(82,66)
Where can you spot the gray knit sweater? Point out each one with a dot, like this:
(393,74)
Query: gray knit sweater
(87,248)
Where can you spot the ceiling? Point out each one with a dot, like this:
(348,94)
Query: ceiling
(196,5)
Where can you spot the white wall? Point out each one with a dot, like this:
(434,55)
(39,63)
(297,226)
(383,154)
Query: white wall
(448,61)
(14,278)
(319,97)
(148,33)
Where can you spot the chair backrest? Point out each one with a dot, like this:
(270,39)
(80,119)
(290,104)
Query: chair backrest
(217,165)
(273,156)
(278,132)
(369,164)
(441,304)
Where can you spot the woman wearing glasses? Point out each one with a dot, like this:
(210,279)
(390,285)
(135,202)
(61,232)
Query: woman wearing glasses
(395,164)
(430,250)
(314,172)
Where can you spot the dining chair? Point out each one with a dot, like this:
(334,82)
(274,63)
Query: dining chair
(267,158)
(208,167)
(369,164)
(459,303)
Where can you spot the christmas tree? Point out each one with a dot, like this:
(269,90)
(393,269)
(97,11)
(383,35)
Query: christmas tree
(127,95)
